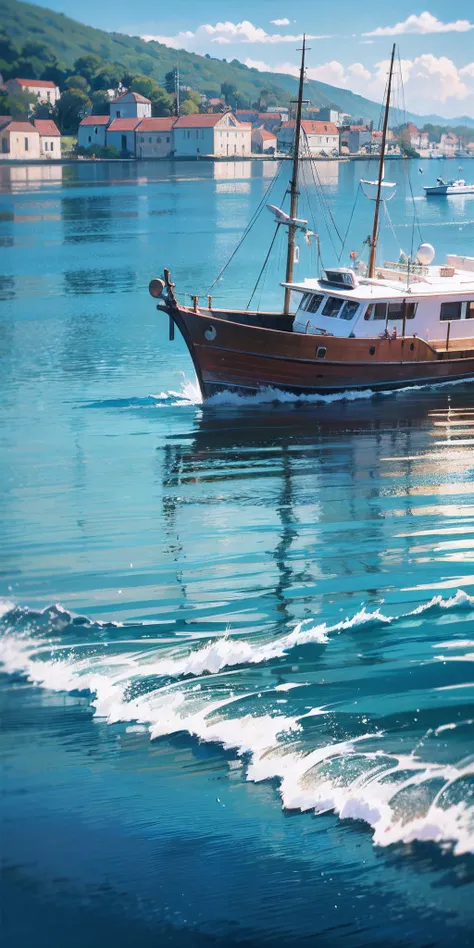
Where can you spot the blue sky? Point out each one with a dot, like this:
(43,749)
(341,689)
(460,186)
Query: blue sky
(350,48)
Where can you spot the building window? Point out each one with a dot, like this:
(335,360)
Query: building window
(470,309)
(149,140)
(51,146)
(26,144)
(89,139)
(5,147)
(95,131)
(46,146)
(168,138)
(142,138)
(158,139)
(450,311)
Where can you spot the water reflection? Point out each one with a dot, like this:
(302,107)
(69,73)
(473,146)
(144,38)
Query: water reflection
(27,177)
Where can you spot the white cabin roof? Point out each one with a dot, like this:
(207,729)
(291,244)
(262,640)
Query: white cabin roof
(391,283)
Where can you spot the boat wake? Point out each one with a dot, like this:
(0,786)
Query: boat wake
(324,757)
(190,396)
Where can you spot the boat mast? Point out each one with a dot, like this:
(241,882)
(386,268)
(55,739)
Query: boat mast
(294,187)
(375,229)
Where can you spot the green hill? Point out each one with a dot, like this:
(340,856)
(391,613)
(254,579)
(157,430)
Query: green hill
(69,39)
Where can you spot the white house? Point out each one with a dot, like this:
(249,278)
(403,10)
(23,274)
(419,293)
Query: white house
(212,134)
(40,89)
(130,105)
(50,138)
(154,137)
(263,141)
(121,134)
(92,131)
(449,144)
(19,140)
(321,138)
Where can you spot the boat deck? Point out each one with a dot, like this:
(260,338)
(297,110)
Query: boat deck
(459,348)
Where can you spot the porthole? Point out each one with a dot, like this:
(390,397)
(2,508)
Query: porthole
(321,352)
(372,350)
(412,346)
(210,333)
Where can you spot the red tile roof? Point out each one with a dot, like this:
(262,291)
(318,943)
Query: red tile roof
(96,120)
(19,127)
(157,124)
(266,135)
(314,128)
(217,101)
(46,127)
(209,120)
(270,115)
(136,96)
(4,120)
(124,125)
(36,83)
(358,128)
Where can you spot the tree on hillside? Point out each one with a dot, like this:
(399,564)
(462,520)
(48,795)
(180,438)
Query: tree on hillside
(170,82)
(77,82)
(8,56)
(161,102)
(194,97)
(56,73)
(71,109)
(87,66)
(17,105)
(100,102)
(34,58)
(228,89)
(145,86)
(109,77)
(188,107)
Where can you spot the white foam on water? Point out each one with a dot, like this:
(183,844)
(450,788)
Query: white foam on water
(391,793)
(190,394)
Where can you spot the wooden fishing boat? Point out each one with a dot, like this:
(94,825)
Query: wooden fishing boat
(387,326)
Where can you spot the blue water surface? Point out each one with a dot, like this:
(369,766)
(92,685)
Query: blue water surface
(237,638)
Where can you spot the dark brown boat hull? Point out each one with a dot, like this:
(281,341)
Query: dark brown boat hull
(243,357)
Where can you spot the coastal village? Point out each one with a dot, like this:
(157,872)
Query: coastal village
(129,130)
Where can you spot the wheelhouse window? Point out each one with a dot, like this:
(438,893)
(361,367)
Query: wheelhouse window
(332,306)
(349,310)
(395,310)
(451,310)
(470,309)
(312,302)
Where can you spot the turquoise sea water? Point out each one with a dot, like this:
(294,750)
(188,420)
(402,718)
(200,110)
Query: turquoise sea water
(237,638)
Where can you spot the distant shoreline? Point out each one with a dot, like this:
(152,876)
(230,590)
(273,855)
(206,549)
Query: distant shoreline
(15,162)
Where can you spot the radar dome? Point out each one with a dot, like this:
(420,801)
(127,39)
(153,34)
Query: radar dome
(425,254)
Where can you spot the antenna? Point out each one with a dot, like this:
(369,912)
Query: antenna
(176,87)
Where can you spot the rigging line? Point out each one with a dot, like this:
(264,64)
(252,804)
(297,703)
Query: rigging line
(323,196)
(324,210)
(249,225)
(350,222)
(416,220)
(264,265)
(390,223)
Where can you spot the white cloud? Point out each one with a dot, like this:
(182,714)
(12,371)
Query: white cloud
(282,22)
(225,33)
(424,23)
(431,83)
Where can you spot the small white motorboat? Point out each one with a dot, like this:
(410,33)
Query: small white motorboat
(449,187)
